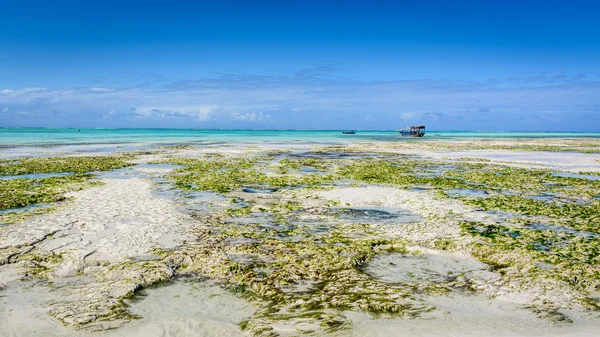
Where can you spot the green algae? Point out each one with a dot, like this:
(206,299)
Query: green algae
(27,191)
(12,218)
(310,279)
(331,263)
(225,175)
(22,192)
(63,164)
(576,198)
(517,252)
(556,259)
(41,264)
(267,266)
(573,257)
(578,216)
(399,173)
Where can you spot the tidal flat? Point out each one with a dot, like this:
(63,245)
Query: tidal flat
(406,238)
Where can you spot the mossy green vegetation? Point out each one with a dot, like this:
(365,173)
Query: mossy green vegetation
(63,164)
(578,216)
(529,257)
(223,175)
(505,182)
(27,191)
(402,173)
(22,192)
(11,218)
(296,276)
(567,245)
(285,250)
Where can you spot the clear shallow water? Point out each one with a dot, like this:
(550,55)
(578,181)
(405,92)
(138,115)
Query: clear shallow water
(575,175)
(10,137)
(180,308)
(36,176)
(370,214)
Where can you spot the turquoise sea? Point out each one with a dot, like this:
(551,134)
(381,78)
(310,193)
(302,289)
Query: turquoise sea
(16,137)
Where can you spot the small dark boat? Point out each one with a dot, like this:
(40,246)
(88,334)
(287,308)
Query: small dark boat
(348,132)
(413,131)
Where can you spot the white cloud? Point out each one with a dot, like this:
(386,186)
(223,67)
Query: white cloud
(5,109)
(26,90)
(251,116)
(200,113)
(23,95)
(100,90)
(21,91)
(309,100)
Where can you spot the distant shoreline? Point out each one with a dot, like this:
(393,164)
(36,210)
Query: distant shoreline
(3,128)
(131,139)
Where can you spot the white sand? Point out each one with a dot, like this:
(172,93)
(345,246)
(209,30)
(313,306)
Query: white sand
(119,220)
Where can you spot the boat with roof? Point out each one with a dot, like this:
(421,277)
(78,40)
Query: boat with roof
(412,131)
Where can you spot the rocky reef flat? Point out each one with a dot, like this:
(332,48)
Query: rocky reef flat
(407,238)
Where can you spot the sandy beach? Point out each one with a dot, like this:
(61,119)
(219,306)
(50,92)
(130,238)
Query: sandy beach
(444,238)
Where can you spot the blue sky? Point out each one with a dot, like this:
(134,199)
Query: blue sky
(453,65)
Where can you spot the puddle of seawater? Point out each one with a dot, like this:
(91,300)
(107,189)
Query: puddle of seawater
(24,312)
(27,208)
(426,268)
(542,197)
(257,218)
(317,228)
(192,200)
(181,308)
(465,192)
(122,173)
(456,314)
(376,214)
(332,155)
(259,190)
(158,166)
(504,215)
(472,316)
(308,169)
(558,228)
(188,308)
(37,176)
(202,308)
(575,175)
(136,171)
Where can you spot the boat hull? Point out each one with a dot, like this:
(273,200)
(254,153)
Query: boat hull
(413,131)
(411,134)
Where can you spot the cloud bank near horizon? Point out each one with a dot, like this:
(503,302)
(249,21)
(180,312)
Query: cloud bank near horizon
(315,99)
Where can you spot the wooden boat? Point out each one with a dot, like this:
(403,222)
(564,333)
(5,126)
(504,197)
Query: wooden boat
(348,132)
(413,131)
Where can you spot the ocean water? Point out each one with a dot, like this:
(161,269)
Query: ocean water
(14,137)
